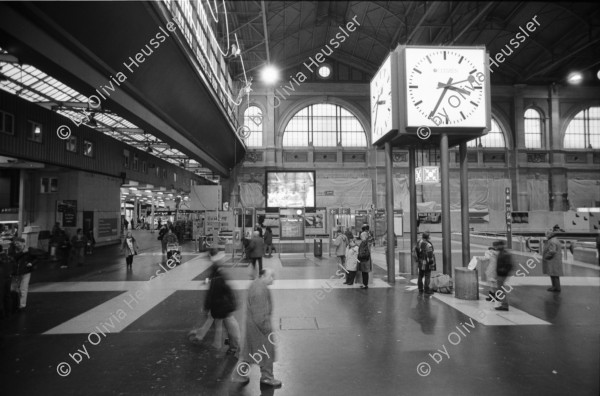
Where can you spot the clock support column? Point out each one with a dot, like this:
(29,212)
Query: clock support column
(389,209)
(464,204)
(413,204)
(445,176)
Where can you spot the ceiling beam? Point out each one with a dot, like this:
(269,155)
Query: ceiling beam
(472,22)
(562,59)
(432,7)
(263,8)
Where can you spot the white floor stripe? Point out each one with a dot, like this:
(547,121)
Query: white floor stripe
(484,312)
(119,312)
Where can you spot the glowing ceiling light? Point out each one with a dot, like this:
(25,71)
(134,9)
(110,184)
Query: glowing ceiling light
(269,75)
(575,78)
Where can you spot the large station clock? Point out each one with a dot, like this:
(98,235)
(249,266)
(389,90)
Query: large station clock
(446,87)
(382,111)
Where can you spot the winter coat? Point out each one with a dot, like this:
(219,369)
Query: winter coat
(341,242)
(258,321)
(22,263)
(425,256)
(256,247)
(552,258)
(352,258)
(268,238)
(79,243)
(220,300)
(365,265)
(125,247)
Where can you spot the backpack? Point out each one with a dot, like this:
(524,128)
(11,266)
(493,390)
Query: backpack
(504,263)
(441,283)
(363,251)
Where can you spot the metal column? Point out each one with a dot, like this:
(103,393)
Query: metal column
(412,188)
(445,175)
(389,208)
(464,205)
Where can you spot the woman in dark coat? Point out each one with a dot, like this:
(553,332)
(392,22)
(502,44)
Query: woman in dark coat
(268,242)
(364,259)
(221,302)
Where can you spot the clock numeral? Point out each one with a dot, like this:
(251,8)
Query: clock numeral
(461,59)
(428,59)
(418,103)
(472,71)
(413,86)
(463,116)
(417,70)
(473,103)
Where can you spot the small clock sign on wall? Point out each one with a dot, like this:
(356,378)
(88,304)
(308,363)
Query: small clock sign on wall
(446,87)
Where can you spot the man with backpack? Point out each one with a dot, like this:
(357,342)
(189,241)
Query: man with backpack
(425,261)
(504,269)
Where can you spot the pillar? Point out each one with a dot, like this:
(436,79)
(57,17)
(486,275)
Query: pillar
(445,175)
(412,188)
(389,210)
(464,205)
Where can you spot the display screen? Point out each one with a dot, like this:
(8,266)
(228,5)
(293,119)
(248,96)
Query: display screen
(290,189)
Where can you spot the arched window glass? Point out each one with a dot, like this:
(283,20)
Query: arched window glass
(494,138)
(324,125)
(533,129)
(584,130)
(254,121)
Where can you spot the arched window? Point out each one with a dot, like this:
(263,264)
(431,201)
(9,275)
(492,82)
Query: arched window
(254,121)
(533,129)
(584,130)
(494,138)
(324,125)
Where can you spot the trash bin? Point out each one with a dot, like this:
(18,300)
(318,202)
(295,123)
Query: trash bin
(466,284)
(318,248)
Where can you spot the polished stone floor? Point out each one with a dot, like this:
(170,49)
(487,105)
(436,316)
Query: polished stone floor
(333,339)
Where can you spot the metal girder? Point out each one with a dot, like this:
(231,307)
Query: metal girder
(237,29)
(562,59)
(266,31)
(434,6)
(472,22)
(403,25)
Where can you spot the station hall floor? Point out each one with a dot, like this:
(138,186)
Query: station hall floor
(333,339)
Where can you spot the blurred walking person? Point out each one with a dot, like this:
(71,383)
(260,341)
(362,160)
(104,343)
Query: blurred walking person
(504,269)
(220,301)
(79,243)
(255,250)
(259,332)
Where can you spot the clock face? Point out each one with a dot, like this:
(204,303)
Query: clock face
(446,87)
(381,101)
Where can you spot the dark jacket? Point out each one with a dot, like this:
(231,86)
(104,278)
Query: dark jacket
(504,263)
(256,247)
(268,237)
(220,300)
(78,244)
(22,263)
(425,256)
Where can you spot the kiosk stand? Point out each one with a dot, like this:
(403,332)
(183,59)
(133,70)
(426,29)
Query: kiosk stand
(291,226)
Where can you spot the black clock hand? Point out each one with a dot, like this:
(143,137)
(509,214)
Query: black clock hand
(460,90)
(441,97)
(470,79)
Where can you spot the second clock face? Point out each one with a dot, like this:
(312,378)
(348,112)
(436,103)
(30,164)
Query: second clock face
(445,88)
